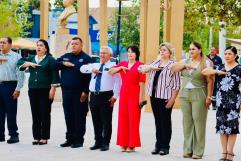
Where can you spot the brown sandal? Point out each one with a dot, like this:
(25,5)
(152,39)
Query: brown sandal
(123,149)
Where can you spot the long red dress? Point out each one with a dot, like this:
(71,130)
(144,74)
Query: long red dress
(129,113)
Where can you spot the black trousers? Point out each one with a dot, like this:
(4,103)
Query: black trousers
(41,112)
(102,116)
(75,113)
(8,108)
(163,123)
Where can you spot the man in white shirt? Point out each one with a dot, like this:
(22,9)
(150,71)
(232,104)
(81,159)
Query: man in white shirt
(104,90)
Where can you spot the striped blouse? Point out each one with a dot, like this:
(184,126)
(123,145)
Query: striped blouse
(167,81)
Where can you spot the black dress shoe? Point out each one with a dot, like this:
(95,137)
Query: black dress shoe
(76,145)
(104,147)
(13,139)
(94,147)
(164,152)
(155,151)
(66,144)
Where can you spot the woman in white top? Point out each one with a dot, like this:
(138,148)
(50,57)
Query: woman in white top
(195,98)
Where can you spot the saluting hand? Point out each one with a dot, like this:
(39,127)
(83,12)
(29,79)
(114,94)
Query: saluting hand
(124,69)
(96,71)
(189,67)
(155,68)
(30,64)
(68,64)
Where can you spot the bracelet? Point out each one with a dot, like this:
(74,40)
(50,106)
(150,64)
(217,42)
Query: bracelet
(210,98)
(55,85)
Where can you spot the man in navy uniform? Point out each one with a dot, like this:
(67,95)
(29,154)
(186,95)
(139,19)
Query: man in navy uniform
(75,91)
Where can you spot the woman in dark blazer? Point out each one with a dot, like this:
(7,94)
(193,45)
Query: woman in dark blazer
(42,84)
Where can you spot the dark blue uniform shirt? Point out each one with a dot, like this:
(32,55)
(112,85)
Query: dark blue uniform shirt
(216,60)
(71,77)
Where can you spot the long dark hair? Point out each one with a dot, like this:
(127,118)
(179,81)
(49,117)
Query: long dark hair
(46,45)
(134,49)
(234,50)
(203,60)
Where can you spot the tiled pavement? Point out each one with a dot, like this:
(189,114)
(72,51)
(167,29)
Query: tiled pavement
(25,151)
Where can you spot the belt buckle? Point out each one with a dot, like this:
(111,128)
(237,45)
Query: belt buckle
(96,93)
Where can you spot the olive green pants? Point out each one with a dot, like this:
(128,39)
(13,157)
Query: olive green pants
(194,122)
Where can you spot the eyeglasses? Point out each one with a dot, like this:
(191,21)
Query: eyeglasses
(103,53)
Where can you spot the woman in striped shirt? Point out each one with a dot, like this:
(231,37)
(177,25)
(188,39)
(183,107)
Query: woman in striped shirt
(163,87)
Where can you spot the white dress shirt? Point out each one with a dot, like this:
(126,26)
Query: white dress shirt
(108,82)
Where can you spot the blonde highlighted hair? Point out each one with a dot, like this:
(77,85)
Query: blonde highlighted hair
(170,48)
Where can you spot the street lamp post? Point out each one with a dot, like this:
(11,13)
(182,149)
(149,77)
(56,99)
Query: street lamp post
(118,31)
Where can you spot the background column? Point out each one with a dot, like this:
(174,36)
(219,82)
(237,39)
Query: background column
(83,23)
(103,23)
(44,19)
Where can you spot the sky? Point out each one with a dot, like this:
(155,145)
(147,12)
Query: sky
(111,3)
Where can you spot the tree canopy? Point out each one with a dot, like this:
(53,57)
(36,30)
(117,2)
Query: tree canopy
(13,18)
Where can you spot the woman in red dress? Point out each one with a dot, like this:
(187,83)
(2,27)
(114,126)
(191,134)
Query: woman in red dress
(132,94)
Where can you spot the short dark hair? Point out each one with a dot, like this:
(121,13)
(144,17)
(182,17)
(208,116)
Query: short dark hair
(77,38)
(134,49)
(234,50)
(9,39)
(45,44)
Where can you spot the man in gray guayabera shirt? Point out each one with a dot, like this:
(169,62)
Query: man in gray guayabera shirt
(11,81)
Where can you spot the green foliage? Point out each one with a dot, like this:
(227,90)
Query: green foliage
(129,30)
(202,14)
(35,4)
(14,18)
(59,4)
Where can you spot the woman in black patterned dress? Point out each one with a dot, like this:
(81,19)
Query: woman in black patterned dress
(228,101)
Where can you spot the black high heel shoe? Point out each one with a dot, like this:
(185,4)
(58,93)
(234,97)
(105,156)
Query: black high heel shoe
(35,142)
(43,142)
